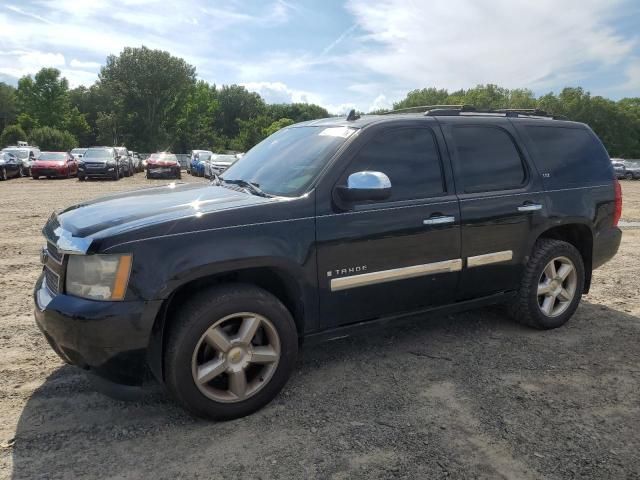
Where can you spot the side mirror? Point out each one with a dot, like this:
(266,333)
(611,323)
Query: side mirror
(366,185)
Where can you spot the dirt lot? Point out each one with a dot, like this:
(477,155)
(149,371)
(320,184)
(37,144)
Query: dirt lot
(470,395)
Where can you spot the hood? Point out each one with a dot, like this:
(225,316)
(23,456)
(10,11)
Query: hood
(49,163)
(151,206)
(163,163)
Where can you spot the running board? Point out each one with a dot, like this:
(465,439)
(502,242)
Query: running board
(395,320)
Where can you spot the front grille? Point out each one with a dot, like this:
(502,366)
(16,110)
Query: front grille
(52,280)
(54,253)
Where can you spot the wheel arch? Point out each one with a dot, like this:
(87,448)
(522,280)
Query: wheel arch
(580,236)
(275,280)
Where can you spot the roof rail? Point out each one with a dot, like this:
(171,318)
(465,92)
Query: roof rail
(425,108)
(451,110)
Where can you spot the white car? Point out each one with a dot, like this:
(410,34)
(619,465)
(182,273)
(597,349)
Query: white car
(26,154)
(217,164)
(78,153)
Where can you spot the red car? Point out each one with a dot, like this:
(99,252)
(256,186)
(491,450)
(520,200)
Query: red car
(163,165)
(54,164)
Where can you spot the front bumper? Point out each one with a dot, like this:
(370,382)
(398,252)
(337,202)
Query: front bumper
(161,171)
(102,171)
(108,338)
(49,172)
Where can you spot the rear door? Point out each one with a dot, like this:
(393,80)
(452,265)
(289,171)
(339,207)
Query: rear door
(380,258)
(501,202)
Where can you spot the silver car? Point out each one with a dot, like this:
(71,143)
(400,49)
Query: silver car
(217,164)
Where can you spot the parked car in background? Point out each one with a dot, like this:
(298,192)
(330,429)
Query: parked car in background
(54,164)
(632,169)
(99,162)
(10,165)
(618,168)
(78,153)
(195,165)
(163,164)
(218,163)
(136,161)
(26,155)
(125,161)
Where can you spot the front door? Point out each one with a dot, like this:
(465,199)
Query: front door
(379,258)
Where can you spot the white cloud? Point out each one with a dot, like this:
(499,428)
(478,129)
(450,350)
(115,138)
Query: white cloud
(460,43)
(86,65)
(379,103)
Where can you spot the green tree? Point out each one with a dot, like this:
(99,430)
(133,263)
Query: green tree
(48,138)
(425,96)
(11,135)
(76,124)
(107,129)
(26,122)
(45,97)
(147,89)
(195,127)
(8,106)
(237,105)
(277,125)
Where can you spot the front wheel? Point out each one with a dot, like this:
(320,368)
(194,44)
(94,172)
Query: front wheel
(551,286)
(3,173)
(629,176)
(230,351)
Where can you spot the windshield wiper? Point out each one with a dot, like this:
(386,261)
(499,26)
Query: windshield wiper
(250,186)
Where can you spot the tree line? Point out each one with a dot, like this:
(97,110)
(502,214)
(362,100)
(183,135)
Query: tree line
(150,100)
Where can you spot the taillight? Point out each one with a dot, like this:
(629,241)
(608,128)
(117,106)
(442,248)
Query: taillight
(617,212)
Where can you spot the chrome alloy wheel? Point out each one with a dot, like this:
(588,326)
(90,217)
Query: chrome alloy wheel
(236,357)
(557,286)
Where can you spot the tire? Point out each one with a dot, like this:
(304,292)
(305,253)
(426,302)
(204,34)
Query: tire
(148,175)
(81,178)
(629,176)
(527,307)
(68,175)
(186,341)
(116,174)
(3,174)
(35,177)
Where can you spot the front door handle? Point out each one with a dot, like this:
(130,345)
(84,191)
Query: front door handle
(438,220)
(530,207)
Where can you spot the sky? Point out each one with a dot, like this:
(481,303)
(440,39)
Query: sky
(362,54)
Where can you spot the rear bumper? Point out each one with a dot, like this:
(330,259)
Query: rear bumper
(108,338)
(605,245)
(170,172)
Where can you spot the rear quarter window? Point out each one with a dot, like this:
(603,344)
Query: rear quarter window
(567,156)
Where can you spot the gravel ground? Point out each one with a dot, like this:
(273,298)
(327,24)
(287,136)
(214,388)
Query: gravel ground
(463,396)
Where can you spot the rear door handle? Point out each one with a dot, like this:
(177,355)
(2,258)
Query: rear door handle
(530,207)
(438,220)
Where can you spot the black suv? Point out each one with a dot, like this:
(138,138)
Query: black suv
(324,227)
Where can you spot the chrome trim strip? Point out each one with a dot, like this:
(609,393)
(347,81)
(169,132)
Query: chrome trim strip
(67,243)
(489,258)
(394,274)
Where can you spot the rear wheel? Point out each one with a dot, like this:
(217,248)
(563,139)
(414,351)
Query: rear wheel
(3,173)
(230,351)
(551,287)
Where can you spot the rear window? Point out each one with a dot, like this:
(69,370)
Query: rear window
(487,159)
(568,156)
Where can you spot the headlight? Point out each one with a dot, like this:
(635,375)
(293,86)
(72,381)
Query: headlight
(98,277)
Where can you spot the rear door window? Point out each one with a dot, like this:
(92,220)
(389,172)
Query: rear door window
(409,157)
(568,156)
(486,159)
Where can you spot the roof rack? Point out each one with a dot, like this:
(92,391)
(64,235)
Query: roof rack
(427,108)
(451,110)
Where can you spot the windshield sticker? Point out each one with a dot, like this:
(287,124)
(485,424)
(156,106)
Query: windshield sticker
(343,132)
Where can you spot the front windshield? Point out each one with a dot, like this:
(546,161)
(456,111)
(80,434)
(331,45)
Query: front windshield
(288,161)
(633,163)
(98,153)
(52,156)
(76,151)
(18,153)
(163,157)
